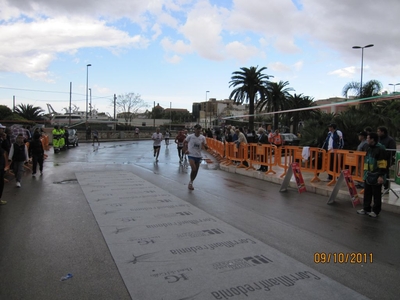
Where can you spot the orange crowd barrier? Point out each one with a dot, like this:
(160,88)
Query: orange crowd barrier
(338,160)
(216,148)
(262,155)
(310,159)
(233,153)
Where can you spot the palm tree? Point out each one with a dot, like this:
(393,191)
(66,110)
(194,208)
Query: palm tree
(249,86)
(276,100)
(369,89)
(29,112)
(296,102)
(316,128)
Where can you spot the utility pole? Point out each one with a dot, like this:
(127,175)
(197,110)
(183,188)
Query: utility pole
(115,105)
(70,99)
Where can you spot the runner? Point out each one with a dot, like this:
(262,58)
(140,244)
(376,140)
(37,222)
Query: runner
(167,134)
(180,138)
(157,138)
(193,145)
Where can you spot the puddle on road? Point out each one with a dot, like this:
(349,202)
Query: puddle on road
(67,181)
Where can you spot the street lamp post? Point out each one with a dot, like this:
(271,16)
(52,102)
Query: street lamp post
(362,62)
(90,102)
(87,86)
(170,116)
(394,86)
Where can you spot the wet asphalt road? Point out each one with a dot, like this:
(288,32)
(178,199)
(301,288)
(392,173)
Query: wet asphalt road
(48,230)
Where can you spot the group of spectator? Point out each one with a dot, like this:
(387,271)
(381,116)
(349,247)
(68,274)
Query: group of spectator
(380,149)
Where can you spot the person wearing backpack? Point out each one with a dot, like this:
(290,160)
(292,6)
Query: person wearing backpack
(36,151)
(18,155)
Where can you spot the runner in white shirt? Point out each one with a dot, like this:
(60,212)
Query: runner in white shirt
(193,145)
(157,138)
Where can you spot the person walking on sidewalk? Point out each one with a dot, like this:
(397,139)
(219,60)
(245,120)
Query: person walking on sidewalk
(375,163)
(95,134)
(19,155)
(37,153)
(157,138)
(193,145)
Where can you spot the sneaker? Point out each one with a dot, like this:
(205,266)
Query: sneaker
(372,214)
(41,173)
(362,212)
(3,202)
(33,174)
(190,186)
(18,184)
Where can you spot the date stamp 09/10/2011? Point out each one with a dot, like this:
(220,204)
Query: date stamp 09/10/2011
(343,258)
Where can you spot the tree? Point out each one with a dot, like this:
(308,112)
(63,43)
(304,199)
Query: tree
(277,96)
(29,112)
(371,88)
(129,105)
(249,86)
(5,112)
(296,102)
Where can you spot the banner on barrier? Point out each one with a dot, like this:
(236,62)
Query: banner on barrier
(301,187)
(355,200)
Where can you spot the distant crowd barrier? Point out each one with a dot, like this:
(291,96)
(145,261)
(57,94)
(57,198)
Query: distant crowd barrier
(310,159)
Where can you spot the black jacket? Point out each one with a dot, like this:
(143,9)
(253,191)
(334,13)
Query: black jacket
(36,148)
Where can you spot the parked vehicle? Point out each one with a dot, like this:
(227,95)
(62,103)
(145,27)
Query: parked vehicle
(290,139)
(73,137)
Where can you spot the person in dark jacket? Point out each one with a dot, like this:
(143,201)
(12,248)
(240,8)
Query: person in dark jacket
(19,155)
(375,162)
(66,137)
(36,151)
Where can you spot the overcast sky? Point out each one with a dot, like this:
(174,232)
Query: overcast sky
(172,51)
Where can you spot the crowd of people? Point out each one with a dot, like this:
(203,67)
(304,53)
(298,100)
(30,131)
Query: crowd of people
(18,146)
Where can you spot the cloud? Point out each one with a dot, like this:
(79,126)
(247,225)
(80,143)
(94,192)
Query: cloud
(344,72)
(240,51)
(178,46)
(34,32)
(173,59)
(31,47)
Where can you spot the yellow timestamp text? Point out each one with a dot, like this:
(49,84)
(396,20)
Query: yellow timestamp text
(343,258)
